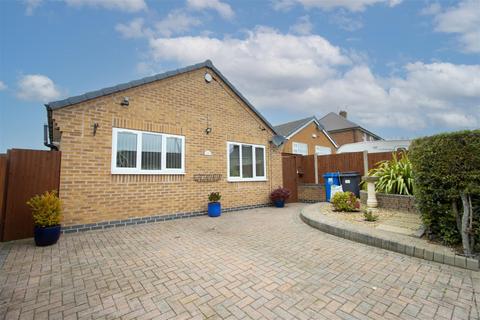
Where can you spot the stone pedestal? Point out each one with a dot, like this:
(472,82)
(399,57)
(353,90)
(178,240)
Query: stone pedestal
(371,199)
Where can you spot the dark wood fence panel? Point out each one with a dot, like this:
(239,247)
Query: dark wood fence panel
(30,172)
(340,163)
(291,165)
(375,158)
(3,190)
(308,169)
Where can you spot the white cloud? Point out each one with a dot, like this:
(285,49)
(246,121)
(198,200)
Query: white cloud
(463,20)
(456,120)
(37,87)
(134,29)
(303,26)
(345,21)
(223,9)
(3,86)
(258,56)
(122,5)
(306,74)
(176,22)
(351,5)
(31,5)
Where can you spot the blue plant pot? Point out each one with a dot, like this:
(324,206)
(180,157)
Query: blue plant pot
(279,203)
(46,236)
(214,209)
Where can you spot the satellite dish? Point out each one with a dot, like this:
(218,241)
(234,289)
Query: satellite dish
(208,77)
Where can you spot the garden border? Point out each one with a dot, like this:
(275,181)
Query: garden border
(362,235)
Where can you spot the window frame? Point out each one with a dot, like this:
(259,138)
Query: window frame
(299,143)
(254,162)
(138,169)
(324,148)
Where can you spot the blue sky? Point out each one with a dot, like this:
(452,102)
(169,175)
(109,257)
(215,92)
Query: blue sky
(400,68)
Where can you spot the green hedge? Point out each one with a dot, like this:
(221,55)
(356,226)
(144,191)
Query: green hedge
(444,166)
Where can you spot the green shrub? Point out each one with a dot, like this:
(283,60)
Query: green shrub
(369,216)
(395,176)
(446,171)
(345,201)
(46,209)
(214,197)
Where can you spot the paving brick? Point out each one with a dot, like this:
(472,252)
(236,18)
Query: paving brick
(460,261)
(257,264)
(473,264)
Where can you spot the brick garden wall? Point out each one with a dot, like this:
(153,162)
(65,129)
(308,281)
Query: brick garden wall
(184,105)
(310,192)
(392,201)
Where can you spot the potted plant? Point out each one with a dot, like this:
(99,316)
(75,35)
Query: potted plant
(47,212)
(214,206)
(279,195)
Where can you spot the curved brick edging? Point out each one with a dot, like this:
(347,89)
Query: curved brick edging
(399,243)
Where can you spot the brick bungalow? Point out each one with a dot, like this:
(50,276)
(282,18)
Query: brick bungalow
(154,149)
(306,136)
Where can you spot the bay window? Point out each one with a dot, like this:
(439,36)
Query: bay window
(141,152)
(246,162)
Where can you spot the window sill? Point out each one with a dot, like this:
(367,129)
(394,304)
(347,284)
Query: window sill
(140,173)
(247,180)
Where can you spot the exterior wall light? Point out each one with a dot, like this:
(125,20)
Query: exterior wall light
(95,127)
(125,102)
(208,130)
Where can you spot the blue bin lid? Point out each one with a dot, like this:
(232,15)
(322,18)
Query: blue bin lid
(331,175)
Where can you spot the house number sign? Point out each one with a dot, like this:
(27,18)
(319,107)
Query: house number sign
(207,177)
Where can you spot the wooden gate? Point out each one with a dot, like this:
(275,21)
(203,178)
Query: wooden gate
(290,175)
(23,174)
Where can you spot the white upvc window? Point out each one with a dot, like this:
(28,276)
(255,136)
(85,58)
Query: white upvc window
(143,152)
(246,162)
(321,150)
(300,148)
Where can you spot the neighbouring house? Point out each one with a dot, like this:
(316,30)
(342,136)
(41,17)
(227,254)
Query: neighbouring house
(159,146)
(345,131)
(306,136)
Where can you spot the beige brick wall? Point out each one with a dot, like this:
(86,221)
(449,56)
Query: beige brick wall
(348,136)
(177,105)
(306,136)
(343,137)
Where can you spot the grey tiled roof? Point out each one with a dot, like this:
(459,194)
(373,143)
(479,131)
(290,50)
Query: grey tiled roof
(335,122)
(288,128)
(109,90)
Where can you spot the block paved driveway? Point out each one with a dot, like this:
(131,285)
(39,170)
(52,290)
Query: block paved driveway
(260,264)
